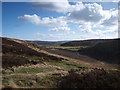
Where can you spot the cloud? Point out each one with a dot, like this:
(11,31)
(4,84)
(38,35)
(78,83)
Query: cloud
(56,23)
(90,18)
(89,29)
(49,37)
(89,13)
(61,6)
(93,13)
(112,20)
(30,18)
(70,35)
(78,13)
(81,13)
(59,29)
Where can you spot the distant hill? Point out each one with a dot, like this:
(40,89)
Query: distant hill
(47,43)
(106,50)
(43,43)
(91,42)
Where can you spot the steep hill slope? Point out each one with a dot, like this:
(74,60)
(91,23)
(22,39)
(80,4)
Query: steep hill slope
(107,51)
(14,52)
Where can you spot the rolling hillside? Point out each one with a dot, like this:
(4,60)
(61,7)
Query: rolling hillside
(107,51)
(26,65)
(91,42)
(14,52)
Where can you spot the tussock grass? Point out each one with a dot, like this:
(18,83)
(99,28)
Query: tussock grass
(33,70)
(65,65)
(34,81)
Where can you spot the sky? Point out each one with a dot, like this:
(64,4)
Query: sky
(59,21)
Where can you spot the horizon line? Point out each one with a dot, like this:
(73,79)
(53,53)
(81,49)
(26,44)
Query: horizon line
(64,40)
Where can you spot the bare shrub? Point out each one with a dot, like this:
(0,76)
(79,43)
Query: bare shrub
(97,78)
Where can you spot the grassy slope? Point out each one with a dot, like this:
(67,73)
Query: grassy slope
(14,49)
(47,73)
(41,70)
(38,69)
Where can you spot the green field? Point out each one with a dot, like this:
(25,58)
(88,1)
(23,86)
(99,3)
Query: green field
(72,48)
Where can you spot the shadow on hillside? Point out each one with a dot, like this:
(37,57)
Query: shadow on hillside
(107,51)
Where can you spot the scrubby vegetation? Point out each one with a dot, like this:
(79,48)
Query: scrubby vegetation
(33,70)
(107,51)
(25,65)
(45,74)
(11,60)
(9,46)
(14,53)
(98,78)
(33,82)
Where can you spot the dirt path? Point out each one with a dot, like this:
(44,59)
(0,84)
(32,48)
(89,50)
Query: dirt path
(61,72)
(39,65)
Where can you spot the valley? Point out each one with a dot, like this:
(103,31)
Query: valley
(30,65)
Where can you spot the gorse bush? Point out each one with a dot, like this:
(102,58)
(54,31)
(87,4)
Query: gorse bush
(97,78)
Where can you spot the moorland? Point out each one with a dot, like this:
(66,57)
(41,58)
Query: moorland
(66,64)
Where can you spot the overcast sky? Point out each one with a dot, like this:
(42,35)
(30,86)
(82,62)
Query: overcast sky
(58,21)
